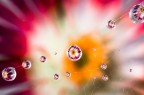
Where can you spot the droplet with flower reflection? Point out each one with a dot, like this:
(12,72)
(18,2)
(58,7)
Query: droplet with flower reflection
(43,59)
(104,66)
(111,24)
(26,64)
(56,76)
(136,13)
(105,78)
(9,74)
(74,53)
(67,74)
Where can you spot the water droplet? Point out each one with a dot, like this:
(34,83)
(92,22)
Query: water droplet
(67,74)
(111,24)
(130,70)
(56,76)
(43,59)
(9,74)
(105,77)
(26,64)
(74,53)
(103,66)
(136,14)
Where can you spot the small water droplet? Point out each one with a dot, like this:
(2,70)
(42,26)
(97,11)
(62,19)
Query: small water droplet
(67,74)
(43,59)
(130,70)
(111,24)
(26,64)
(104,66)
(105,77)
(56,76)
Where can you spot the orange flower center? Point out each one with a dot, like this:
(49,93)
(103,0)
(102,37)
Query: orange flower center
(82,62)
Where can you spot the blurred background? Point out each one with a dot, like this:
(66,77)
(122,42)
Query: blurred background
(30,29)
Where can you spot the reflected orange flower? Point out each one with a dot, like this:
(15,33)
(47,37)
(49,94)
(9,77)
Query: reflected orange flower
(93,55)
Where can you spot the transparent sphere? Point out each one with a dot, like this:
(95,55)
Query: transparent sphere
(105,77)
(67,74)
(43,59)
(56,76)
(111,24)
(74,53)
(104,66)
(136,13)
(9,74)
(26,64)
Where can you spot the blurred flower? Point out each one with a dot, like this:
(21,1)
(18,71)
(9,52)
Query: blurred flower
(32,28)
